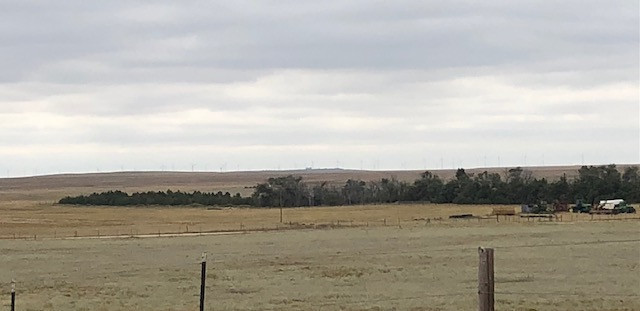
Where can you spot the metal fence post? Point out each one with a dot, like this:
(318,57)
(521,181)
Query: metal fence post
(485,280)
(203,279)
(13,295)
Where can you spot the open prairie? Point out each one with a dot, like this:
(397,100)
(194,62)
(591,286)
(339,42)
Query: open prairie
(28,209)
(539,266)
(373,257)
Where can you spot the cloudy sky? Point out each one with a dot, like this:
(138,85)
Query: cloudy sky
(91,86)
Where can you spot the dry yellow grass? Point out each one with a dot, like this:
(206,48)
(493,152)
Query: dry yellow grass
(26,219)
(542,266)
(399,257)
(29,219)
(27,204)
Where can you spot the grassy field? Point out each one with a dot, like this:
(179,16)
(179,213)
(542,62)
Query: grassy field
(33,219)
(25,219)
(27,206)
(375,257)
(541,266)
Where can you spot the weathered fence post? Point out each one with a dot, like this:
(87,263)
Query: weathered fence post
(13,295)
(485,280)
(203,279)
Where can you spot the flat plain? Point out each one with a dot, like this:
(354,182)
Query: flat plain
(374,257)
(539,266)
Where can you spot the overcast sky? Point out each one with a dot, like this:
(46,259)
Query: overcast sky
(226,85)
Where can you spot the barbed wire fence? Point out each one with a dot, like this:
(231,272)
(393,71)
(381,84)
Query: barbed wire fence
(194,265)
(195,229)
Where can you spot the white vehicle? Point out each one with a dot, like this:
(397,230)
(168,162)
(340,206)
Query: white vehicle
(610,204)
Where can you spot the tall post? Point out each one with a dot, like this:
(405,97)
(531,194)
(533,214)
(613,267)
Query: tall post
(13,295)
(280,205)
(203,279)
(485,280)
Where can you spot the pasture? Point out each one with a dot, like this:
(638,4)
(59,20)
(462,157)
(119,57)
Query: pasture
(373,257)
(539,266)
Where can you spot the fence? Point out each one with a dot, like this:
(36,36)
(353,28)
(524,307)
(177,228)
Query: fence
(241,227)
(485,278)
(485,283)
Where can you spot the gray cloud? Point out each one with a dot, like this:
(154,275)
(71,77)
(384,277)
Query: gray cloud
(347,77)
(123,40)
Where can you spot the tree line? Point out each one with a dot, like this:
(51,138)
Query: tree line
(518,186)
(174,198)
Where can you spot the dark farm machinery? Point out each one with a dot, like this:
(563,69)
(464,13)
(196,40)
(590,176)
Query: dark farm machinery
(604,207)
(543,207)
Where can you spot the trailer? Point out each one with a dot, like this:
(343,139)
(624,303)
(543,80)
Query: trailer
(617,206)
(610,204)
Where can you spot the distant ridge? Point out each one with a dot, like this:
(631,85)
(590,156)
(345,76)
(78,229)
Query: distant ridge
(157,180)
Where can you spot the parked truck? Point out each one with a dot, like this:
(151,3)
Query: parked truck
(536,208)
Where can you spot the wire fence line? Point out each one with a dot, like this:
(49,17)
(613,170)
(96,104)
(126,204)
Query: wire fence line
(568,244)
(269,258)
(422,296)
(565,294)
(391,221)
(414,249)
(373,252)
(420,251)
(274,257)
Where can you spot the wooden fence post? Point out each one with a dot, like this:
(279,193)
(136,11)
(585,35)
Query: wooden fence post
(485,280)
(203,279)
